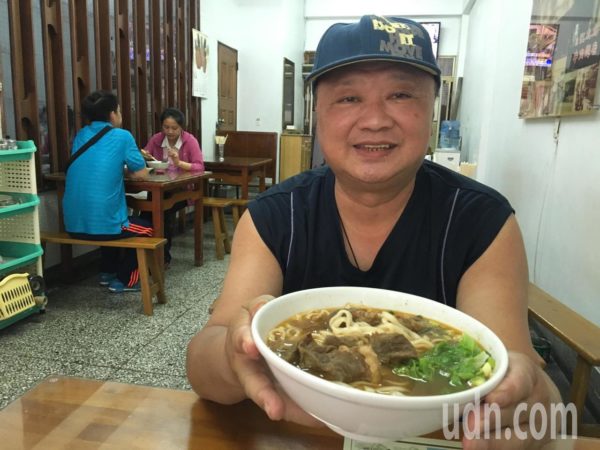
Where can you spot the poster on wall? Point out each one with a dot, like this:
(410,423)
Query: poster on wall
(199,64)
(563,54)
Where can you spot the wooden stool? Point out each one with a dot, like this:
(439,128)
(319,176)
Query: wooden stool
(237,208)
(217,205)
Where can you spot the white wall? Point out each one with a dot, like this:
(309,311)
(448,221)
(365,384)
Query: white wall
(356,8)
(263,32)
(320,15)
(552,184)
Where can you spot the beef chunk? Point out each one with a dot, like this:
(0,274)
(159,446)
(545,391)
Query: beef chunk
(418,324)
(332,362)
(363,315)
(348,341)
(392,349)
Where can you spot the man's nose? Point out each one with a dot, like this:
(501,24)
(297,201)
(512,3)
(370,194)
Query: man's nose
(374,115)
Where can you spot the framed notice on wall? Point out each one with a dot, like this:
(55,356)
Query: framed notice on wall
(563,55)
(199,64)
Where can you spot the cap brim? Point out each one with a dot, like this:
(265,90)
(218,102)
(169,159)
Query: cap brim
(410,62)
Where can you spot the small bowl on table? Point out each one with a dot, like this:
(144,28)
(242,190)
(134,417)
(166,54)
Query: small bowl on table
(371,416)
(158,166)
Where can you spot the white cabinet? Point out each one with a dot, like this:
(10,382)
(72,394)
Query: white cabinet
(449,159)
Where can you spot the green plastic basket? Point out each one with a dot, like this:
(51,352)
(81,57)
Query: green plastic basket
(25,203)
(24,151)
(16,254)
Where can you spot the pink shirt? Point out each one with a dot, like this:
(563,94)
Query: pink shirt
(189,151)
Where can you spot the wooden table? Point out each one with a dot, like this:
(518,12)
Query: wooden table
(76,413)
(240,170)
(64,412)
(166,189)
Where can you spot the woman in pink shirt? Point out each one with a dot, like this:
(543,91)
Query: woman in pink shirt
(175,144)
(182,151)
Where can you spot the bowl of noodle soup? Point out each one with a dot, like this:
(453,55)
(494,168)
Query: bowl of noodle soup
(320,343)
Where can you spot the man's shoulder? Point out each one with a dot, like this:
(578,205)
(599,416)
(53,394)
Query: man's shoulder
(302,183)
(450,180)
(120,133)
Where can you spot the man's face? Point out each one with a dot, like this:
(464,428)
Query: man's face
(374,121)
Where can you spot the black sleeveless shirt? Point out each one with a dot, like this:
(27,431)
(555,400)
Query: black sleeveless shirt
(448,222)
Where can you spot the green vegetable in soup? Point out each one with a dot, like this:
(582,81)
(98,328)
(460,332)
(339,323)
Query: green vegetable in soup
(462,362)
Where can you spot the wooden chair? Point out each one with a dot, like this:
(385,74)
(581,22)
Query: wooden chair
(149,265)
(579,334)
(217,206)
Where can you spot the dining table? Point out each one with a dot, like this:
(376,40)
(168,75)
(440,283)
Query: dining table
(163,190)
(239,171)
(68,412)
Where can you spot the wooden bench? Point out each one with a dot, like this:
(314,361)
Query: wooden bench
(579,334)
(217,206)
(149,265)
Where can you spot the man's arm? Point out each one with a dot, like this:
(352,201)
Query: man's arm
(140,174)
(494,291)
(253,271)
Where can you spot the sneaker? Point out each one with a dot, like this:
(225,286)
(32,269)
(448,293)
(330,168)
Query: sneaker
(118,287)
(106,278)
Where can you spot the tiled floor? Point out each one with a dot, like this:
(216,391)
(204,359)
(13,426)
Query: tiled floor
(89,332)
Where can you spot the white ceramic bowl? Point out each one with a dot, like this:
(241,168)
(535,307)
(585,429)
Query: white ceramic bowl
(158,165)
(367,416)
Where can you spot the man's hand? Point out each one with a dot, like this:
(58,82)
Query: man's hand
(524,386)
(252,372)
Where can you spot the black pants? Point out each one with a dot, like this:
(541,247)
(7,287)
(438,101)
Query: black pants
(169,222)
(122,261)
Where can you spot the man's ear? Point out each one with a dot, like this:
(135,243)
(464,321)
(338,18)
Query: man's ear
(113,118)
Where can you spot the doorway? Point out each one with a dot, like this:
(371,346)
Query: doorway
(228,67)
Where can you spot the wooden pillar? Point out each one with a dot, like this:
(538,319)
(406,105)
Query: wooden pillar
(23,70)
(122,59)
(155,65)
(182,52)
(169,55)
(23,74)
(102,41)
(56,94)
(80,58)
(141,71)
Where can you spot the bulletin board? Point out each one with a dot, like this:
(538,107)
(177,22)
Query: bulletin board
(563,54)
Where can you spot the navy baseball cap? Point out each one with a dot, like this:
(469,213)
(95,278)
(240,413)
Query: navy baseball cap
(375,38)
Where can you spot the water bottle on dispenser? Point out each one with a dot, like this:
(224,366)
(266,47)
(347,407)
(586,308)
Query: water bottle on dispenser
(450,134)
(448,153)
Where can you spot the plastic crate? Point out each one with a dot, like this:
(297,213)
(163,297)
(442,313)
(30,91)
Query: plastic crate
(24,203)
(15,254)
(16,299)
(23,152)
(17,169)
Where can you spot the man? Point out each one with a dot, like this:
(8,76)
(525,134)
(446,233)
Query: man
(94,202)
(377,216)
